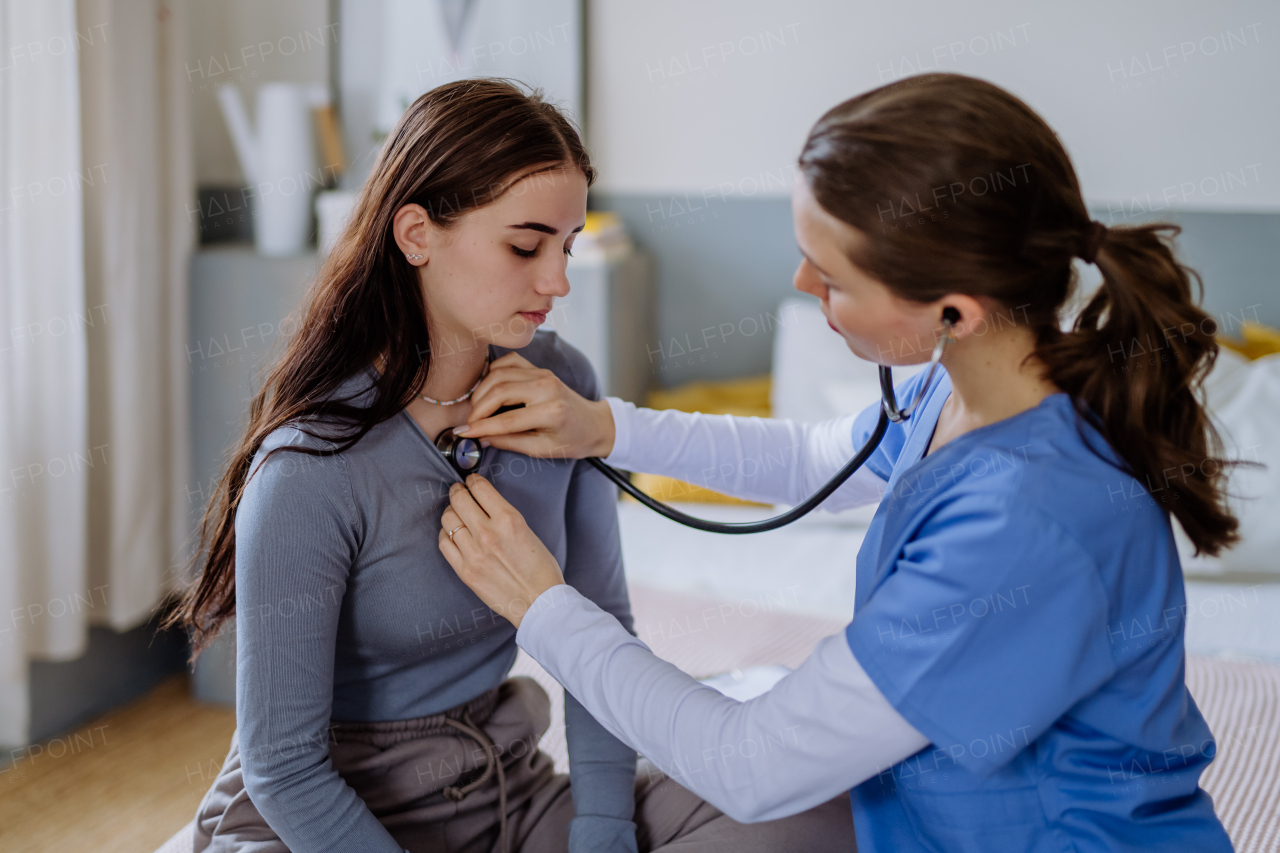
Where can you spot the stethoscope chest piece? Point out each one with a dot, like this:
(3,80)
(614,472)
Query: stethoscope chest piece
(463,453)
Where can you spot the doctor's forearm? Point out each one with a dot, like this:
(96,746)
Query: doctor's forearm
(821,730)
(762,459)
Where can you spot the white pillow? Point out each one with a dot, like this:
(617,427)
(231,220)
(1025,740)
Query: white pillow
(1244,401)
(815,376)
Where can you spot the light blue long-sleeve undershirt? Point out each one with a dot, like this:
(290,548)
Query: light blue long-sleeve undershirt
(347,610)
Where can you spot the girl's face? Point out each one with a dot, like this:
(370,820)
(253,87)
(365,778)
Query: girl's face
(493,276)
(877,325)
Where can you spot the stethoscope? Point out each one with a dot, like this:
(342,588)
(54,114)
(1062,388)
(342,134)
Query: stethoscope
(466,454)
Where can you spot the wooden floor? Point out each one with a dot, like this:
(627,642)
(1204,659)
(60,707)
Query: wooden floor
(123,783)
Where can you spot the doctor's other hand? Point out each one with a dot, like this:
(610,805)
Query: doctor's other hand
(493,551)
(556,421)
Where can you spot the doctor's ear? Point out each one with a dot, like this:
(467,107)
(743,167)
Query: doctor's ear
(965,313)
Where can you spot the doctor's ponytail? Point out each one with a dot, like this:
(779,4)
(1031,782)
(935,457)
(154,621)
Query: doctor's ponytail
(957,186)
(1137,354)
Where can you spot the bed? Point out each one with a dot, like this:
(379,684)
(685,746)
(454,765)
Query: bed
(709,636)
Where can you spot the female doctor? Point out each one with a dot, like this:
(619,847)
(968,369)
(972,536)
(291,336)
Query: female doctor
(1012,677)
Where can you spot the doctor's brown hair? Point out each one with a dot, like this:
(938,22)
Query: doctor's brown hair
(455,149)
(957,186)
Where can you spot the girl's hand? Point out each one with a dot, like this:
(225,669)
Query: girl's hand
(555,422)
(495,553)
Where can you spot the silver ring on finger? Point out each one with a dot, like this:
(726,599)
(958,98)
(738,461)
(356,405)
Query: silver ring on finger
(455,530)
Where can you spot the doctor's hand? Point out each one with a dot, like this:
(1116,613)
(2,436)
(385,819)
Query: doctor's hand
(556,421)
(494,552)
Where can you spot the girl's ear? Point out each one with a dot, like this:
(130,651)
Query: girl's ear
(411,229)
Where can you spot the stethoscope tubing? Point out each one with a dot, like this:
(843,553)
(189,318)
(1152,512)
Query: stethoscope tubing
(889,411)
(796,512)
(465,456)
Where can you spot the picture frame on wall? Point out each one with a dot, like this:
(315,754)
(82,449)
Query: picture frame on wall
(395,50)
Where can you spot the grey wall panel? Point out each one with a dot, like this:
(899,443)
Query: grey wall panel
(722,268)
(1237,255)
(723,265)
(116,668)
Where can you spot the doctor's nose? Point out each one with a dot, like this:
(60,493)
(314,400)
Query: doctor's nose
(807,280)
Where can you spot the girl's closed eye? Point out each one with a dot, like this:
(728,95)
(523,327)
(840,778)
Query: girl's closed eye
(530,253)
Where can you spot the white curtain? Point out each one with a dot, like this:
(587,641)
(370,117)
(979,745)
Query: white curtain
(95,242)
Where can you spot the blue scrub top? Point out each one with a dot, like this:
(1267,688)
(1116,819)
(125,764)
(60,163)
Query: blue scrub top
(1020,602)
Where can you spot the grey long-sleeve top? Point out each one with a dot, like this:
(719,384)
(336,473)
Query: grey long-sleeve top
(347,610)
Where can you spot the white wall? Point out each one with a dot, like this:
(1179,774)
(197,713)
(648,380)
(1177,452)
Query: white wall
(1156,100)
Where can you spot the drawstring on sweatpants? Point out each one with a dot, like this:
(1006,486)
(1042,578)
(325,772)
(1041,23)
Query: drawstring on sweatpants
(461,718)
(491,761)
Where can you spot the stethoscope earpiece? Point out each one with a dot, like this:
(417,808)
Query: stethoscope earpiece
(888,402)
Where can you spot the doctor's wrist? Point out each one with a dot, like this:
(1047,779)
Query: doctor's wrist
(603,428)
(546,601)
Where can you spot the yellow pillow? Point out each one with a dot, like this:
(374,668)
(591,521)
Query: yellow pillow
(1258,340)
(746,397)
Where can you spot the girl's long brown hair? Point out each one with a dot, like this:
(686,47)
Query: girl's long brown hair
(456,148)
(959,187)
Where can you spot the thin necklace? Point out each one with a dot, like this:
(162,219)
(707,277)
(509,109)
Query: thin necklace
(483,372)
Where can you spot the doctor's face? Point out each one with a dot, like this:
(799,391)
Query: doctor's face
(875,324)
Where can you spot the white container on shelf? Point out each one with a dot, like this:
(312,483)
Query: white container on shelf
(333,207)
(279,161)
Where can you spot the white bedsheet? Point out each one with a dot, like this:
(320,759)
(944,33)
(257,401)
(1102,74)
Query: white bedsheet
(808,568)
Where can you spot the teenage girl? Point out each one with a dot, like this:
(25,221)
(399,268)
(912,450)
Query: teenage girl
(373,706)
(1013,674)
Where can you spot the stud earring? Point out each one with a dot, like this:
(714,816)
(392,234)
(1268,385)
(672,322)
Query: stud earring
(414,257)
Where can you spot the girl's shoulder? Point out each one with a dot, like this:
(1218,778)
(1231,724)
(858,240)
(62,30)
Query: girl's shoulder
(315,433)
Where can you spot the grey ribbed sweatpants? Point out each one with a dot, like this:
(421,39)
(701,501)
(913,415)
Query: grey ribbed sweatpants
(401,769)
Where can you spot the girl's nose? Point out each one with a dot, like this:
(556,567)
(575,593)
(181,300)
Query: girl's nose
(554,283)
